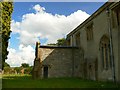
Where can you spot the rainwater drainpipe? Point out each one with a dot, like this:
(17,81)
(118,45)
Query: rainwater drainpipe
(72,56)
(111,46)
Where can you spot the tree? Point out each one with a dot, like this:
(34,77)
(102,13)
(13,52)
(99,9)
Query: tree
(52,44)
(6,64)
(61,42)
(25,65)
(6,9)
(28,70)
(18,69)
(7,70)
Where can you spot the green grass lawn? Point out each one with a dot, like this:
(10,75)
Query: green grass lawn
(26,81)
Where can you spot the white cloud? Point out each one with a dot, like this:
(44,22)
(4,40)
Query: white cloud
(41,25)
(25,54)
(15,27)
(46,25)
(38,8)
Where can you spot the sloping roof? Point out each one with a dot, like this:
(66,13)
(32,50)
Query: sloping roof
(57,47)
(90,18)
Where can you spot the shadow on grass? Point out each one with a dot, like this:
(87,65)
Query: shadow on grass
(26,81)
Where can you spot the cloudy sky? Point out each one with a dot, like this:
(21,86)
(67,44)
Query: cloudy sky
(44,22)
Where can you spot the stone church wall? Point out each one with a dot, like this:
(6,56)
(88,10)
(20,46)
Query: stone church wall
(88,61)
(61,62)
(101,22)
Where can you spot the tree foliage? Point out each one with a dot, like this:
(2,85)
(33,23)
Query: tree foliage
(18,69)
(6,9)
(25,65)
(28,70)
(61,42)
(7,70)
(6,64)
(52,44)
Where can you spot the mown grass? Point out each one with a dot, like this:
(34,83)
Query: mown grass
(26,81)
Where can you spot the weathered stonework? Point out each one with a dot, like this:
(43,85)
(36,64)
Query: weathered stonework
(92,50)
(61,61)
(105,24)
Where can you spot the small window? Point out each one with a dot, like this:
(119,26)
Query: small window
(89,32)
(68,42)
(77,38)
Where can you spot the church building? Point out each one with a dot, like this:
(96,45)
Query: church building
(92,49)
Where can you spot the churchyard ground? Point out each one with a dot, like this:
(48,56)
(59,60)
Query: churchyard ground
(26,81)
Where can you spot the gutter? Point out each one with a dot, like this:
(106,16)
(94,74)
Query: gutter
(103,7)
(111,46)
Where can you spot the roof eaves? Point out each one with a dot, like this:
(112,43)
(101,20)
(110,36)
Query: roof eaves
(90,18)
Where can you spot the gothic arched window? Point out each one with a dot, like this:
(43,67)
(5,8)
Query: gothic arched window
(105,52)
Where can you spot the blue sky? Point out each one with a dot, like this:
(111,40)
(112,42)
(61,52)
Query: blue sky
(64,8)
(34,21)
